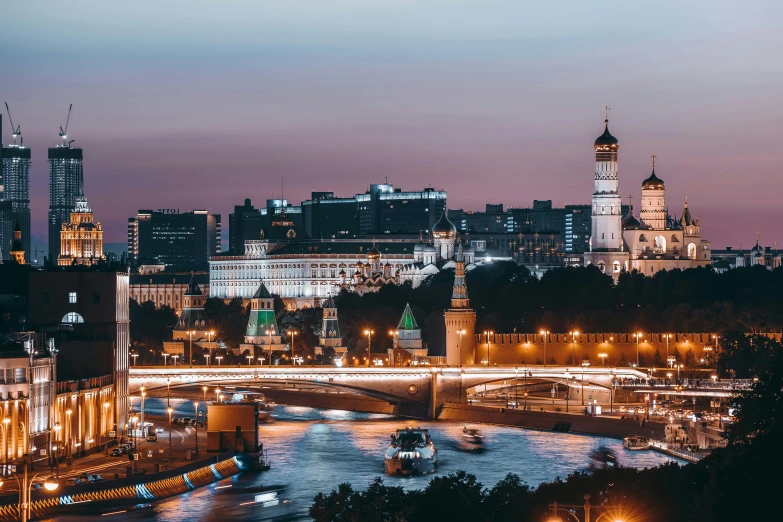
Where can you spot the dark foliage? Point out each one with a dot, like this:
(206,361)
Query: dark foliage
(149,327)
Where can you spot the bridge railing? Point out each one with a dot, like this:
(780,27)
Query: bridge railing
(688,384)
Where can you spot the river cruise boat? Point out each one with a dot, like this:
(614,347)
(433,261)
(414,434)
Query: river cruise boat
(636,442)
(411,452)
(471,439)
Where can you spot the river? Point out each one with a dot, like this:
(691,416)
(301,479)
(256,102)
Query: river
(315,450)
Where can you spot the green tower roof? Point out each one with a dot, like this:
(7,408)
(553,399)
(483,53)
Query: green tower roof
(407,321)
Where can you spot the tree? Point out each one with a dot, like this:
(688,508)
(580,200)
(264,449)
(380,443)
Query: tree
(149,325)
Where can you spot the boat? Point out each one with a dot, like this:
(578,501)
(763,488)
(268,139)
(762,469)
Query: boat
(636,442)
(471,439)
(602,458)
(411,452)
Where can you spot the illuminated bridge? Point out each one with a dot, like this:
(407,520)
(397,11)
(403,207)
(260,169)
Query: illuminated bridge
(414,391)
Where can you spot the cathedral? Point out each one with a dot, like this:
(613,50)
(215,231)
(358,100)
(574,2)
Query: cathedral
(652,242)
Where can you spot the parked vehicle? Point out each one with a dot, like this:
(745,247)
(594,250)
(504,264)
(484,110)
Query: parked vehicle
(152,434)
(89,478)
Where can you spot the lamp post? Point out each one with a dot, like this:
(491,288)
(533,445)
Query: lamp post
(143,397)
(249,359)
(56,452)
(169,410)
(293,338)
(210,333)
(219,359)
(585,363)
(204,389)
(525,388)
(217,394)
(574,334)
(190,357)
(369,333)
(488,333)
(175,357)
(269,332)
(603,358)
(568,388)
(516,387)
(134,355)
(207,356)
(6,420)
(165,359)
(678,372)
(611,395)
(667,336)
(544,334)
(638,336)
(68,413)
(25,489)
(393,334)
(195,405)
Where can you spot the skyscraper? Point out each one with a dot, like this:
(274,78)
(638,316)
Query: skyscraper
(66,184)
(14,193)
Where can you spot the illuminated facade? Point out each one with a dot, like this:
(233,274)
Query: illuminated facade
(460,320)
(81,239)
(330,330)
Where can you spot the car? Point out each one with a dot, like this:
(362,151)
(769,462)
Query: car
(89,478)
(177,420)
(36,485)
(75,481)
(186,421)
(119,451)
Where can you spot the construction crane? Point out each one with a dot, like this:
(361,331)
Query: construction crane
(16,131)
(64,131)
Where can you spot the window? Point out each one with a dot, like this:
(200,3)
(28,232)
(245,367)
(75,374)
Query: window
(72,297)
(72,318)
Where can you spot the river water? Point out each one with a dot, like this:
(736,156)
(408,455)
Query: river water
(315,450)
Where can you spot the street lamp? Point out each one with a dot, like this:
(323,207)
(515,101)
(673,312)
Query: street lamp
(209,338)
(488,333)
(170,410)
(585,363)
(603,358)
(638,335)
(293,338)
(667,336)
(175,357)
(369,333)
(207,356)
(25,490)
(195,405)
(143,396)
(544,334)
(6,420)
(165,359)
(190,357)
(219,359)
(249,358)
(134,355)
(574,335)
(269,332)
(568,387)
(68,413)
(217,394)
(393,334)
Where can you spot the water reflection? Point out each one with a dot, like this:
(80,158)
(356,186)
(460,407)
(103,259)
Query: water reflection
(315,450)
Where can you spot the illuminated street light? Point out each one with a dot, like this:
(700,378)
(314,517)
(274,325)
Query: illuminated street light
(544,334)
(603,358)
(369,333)
(219,359)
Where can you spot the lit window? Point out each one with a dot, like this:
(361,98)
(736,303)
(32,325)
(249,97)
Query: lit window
(72,318)
(72,297)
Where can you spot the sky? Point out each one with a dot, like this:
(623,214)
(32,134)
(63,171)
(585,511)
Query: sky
(196,104)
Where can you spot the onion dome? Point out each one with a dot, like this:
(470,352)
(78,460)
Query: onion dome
(342,273)
(429,249)
(373,253)
(387,265)
(653,182)
(421,246)
(606,139)
(630,222)
(444,227)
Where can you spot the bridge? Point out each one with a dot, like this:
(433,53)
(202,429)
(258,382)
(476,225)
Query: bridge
(414,391)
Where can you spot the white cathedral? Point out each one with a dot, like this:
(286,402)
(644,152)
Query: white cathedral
(651,243)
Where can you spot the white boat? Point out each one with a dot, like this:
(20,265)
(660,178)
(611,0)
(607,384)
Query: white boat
(636,442)
(471,439)
(410,452)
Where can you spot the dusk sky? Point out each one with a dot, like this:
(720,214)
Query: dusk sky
(194,104)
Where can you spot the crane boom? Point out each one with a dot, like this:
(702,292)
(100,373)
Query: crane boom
(64,131)
(16,131)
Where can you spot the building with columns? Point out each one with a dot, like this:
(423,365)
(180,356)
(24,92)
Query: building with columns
(460,320)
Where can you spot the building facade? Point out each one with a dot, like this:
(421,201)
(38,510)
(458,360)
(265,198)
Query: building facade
(81,239)
(330,330)
(14,195)
(66,184)
(182,241)
(166,288)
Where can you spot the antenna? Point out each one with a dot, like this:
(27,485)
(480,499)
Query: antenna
(64,131)
(16,131)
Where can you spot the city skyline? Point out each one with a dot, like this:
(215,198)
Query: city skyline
(495,104)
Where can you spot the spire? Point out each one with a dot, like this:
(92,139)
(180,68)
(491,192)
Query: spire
(407,321)
(262,292)
(686,218)
(459,295)
(193,288)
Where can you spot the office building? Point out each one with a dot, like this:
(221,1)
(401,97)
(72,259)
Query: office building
(248,223)
(328,217)
(181,241)
(14,193)
(66,184)
(384,209)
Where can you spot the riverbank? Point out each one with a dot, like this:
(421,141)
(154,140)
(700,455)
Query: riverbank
(551,421)
(129,491)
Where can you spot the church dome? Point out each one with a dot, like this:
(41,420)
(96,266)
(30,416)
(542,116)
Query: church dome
(606,139)
(653,182)
(631,223)
(444,227)
(429,249)
(373,253)
(420,247)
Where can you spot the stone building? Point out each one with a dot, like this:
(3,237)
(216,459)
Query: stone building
(81,239)
(330,330)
